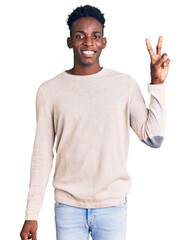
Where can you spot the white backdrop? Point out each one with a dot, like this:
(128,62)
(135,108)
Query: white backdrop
(33,49)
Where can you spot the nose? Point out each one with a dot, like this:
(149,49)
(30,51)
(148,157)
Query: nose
(88,41)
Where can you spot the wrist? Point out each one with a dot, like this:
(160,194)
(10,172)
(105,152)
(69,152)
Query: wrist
(156,81)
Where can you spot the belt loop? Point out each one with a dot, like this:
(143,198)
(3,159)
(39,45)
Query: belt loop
(125,199)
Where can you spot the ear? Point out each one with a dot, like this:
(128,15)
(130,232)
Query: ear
(104,42)
(69,42)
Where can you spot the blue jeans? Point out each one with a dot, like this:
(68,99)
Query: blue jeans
(74,223)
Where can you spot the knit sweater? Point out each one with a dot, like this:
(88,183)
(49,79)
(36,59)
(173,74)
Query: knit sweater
(90,117)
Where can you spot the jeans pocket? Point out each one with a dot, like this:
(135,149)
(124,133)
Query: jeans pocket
(58,204)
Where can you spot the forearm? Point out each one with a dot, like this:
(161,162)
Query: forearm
(149,124)
(153,129)
(42,157)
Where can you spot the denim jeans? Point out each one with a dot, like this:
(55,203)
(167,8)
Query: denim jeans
(74,223)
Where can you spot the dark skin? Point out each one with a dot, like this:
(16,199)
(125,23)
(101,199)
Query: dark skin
(29,230)
(87,39)
(87,35)
(159,63)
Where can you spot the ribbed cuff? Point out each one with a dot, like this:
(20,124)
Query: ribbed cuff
(155,86)
(31,217)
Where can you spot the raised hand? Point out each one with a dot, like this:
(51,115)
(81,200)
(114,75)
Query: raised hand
(159,64)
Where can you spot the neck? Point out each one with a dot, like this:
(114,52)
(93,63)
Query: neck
(84,69)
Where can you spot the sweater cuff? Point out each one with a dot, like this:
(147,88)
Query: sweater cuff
(31,217)
(157,91)
(155,86)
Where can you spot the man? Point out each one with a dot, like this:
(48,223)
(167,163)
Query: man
(90,109)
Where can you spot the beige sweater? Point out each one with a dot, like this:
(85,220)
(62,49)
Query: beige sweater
(90,118)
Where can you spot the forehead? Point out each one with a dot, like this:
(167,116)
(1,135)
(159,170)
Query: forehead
(86,24)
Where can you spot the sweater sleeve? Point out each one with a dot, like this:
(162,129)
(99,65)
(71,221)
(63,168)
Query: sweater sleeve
(148,124)
(42,157)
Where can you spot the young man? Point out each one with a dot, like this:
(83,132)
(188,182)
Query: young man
(90,109)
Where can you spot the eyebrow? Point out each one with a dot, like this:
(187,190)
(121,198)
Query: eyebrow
(84,32)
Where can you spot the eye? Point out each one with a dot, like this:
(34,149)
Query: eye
(96,36)
(79,36)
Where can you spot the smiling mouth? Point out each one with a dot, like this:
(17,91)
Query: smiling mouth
(88,53)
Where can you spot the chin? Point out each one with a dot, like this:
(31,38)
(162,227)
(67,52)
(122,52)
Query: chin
(87,63)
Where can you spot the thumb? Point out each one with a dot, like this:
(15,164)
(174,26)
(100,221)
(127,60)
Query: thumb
(26,236)
(161,61)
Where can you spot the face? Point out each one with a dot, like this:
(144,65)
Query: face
(87,41)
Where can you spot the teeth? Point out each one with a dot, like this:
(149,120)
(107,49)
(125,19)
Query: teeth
(88,52)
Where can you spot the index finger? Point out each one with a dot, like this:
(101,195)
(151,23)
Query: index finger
(149,47)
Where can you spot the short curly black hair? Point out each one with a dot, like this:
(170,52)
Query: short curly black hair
(86,11)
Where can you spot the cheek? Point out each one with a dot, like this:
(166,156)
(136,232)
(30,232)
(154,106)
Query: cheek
(100,45)
(76,50)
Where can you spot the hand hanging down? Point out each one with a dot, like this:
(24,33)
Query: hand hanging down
(159,64)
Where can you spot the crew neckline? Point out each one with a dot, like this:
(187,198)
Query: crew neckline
(85,76)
